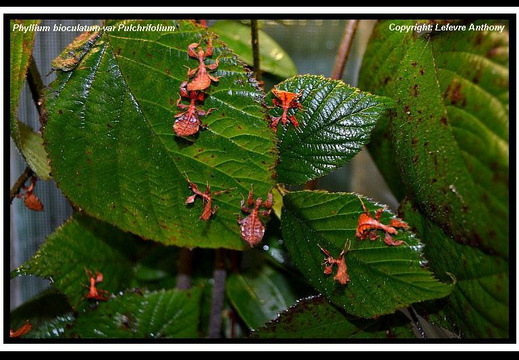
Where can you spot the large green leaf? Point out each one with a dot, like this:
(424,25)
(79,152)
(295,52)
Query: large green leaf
(334,124)
(316,318)
(260,295)
(273,59)
(160,314)
(448,135)
(28,142)
(382,278)
(479,305)
(113,151)
(81,244)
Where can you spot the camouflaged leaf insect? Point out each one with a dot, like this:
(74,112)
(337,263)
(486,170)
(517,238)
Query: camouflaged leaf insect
(93,292)
(367,226)
(187,122)
(286,100)
(252,228)
(341,276)
(202,78)
(207,198)
(30,200)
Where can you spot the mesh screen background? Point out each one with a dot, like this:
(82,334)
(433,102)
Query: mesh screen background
(28,229)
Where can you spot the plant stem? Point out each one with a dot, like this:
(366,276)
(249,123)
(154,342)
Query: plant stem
(185,262)
(344,49)
(218,295)
(255,50)
(15,190)
(35,85)
(311,185)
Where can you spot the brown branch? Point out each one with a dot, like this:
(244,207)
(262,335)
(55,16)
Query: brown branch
(255,50)
(218,295)
(15,190)
(185,268)
(35,85)
(344,49)
(311,185)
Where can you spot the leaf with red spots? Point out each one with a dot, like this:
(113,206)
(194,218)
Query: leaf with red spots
(479,304)
(112,147)
(445,144)
(316,318)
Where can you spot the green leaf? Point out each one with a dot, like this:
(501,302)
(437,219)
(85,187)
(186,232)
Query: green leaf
(160,314)
(448,135)
(273,59)
(478,306)
(31,146)
(81,244)
(334,124)
(316,318)
(28,142)
(48,313)
(155,266)
(20,52)
(260,295)
(70,57)
(113,150)
(382,278)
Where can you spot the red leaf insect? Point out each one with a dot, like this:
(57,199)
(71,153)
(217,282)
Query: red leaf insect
(30,200)
(207,198)
(93,292)
(368,226)
(22,330)
(341,276)
(286,100)
(251,227)
(202,78)
(187,122)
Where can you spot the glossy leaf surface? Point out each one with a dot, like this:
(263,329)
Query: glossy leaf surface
(316,318)
(113,150)
(334,124)
(152,315)
(382,278)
